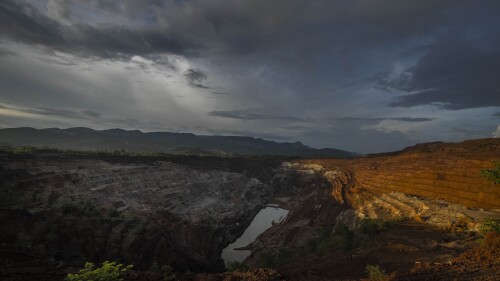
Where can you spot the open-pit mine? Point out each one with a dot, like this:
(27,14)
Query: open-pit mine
(414,214)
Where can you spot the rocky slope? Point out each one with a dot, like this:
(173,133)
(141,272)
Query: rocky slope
(432,195)
(479,263)
(148,212)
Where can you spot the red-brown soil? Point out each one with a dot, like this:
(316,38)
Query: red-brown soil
(449,172)
(479,263)
(397,249)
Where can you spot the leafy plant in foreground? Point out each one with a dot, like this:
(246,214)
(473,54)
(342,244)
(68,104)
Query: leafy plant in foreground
(109,271)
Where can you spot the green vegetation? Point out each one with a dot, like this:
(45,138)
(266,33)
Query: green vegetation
(237,266)
(492,175)
(490,225)
(372,227)
(109,271)
(168,273)
(79,208)
(375,273)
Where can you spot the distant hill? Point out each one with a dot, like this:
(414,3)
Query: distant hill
(81,138)
(486,146)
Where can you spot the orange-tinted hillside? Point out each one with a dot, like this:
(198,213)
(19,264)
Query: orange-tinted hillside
(446,171)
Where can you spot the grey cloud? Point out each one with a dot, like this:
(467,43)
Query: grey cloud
(114,41)
(413,119)
(496,133)
(455,75)
(64,115)
(401,82)
(496,114)
(58,112)
(6,52)
(196,78)
(242,27)
(92,113)
(22,22)
(128,7)
(266,54)
(351,137)
(251,114)
(372,120)
(59,10)
(297,128)
(134,123)
(63,112)
(267,136)
(471,133)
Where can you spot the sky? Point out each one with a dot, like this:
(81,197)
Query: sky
(359,75)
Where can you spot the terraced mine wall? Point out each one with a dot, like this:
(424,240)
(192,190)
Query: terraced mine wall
(449,172)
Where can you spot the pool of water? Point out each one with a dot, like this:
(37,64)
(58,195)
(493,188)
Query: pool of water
(261,222)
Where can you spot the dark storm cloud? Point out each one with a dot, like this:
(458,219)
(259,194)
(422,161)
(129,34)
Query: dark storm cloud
(372,120)
(240,27)
(454,74)
(277,59)
(412,119)
(251,114)
(196,78)
(250,133)
(21,22)
(351,137)
(496,114)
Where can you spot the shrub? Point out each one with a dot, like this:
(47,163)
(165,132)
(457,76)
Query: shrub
(109,271)
(237,266)
(375,273)
(372,227)
(266,260)
(79,208)
(490,225)
(168,272)
(492,174)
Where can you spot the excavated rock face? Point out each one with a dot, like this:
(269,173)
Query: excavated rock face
(436,183)
(311,209)
(389,205)
(433,196)
(146,213)
(449,172)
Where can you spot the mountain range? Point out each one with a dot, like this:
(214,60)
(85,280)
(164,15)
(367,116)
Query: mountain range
(86,139)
